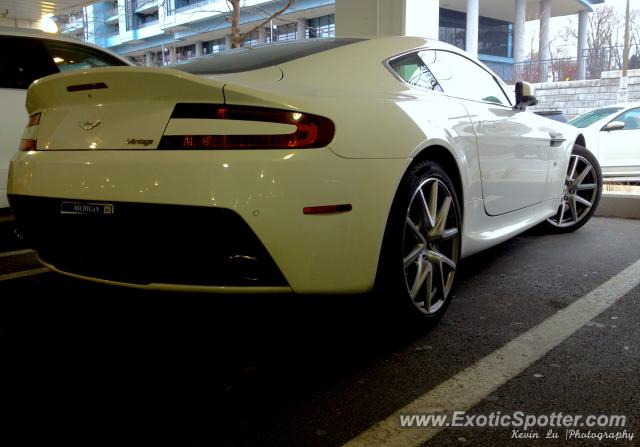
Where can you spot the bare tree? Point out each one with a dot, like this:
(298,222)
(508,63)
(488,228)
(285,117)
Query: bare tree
(540,64)
(236,36)
(234,8)
(634,40)
(602,32)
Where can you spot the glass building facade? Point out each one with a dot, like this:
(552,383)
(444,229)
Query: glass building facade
(146,27)
(495,37)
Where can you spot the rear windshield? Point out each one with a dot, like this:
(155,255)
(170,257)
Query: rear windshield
(262,56)
(591,117)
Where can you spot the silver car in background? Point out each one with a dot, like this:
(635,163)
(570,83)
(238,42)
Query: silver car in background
(612,134)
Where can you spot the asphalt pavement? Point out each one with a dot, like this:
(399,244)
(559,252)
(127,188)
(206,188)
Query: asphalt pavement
(148,368)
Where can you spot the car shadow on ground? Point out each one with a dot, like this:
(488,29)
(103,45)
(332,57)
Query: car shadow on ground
(182,360)
(190,359)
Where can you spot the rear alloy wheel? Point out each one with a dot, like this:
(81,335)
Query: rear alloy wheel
(581,194)
(422,243)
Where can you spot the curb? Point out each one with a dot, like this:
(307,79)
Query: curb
(626,206)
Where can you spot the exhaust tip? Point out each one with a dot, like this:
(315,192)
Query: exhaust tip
(247,266)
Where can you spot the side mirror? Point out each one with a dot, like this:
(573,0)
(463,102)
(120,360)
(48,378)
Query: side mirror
(614,125)
(525,95)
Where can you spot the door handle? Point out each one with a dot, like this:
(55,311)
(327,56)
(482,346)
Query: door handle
(556,139)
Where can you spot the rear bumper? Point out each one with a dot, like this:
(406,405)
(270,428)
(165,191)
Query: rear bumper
(143,244)
(175,200)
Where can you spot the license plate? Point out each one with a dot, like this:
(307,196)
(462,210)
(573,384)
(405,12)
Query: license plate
(97,209)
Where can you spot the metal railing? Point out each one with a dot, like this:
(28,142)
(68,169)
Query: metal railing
(142,5)
(187,4)
(111,12)
(592,64)
(74,23)
(142,24)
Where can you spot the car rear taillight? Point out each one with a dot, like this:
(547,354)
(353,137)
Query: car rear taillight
(310,131)
(28,144)
(34,119)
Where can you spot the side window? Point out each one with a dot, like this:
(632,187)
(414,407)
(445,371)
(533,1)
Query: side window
(68,56)
(463,78)
(22,61)
(630,118)
(413,71)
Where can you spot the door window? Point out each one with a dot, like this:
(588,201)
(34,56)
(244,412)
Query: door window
(412,70)
(630,118)
(463,78)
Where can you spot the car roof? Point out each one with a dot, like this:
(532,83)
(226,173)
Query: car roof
(39,34)
(624,105)
(276,53)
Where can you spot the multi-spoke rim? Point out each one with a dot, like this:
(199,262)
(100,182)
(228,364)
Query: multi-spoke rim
(580,193)
(431,240)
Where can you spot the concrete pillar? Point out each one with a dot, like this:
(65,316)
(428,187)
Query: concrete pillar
(148,59)
(473,18)
(173,57)
(262,35)
(544,53)
(92,26)
(163,10)
(388,18)
(356,18)
(301,29)
(421,18)
(545,29)
(198,45)
(122,17)
(583,25)
(519,52)
(227,42)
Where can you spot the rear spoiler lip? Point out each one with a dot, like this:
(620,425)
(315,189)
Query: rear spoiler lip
(50,89)
(76,75)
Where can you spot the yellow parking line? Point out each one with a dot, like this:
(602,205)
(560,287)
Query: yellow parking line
(464,390)
(8,254)
(22,274)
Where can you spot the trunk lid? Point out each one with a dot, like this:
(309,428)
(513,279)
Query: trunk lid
(112,108)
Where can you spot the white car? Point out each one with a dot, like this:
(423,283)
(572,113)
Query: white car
(316,167)
(612,134)
(26,56)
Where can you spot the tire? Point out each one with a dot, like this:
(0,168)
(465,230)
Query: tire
(581,195)
(421,247)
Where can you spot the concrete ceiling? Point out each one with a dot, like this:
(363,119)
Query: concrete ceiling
(33,10)
(505,10)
